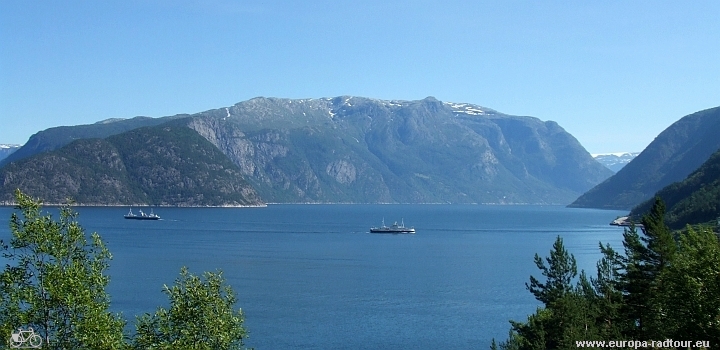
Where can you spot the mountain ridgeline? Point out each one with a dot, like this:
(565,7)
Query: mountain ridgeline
(671,157)
(161,165)
(54,138)
(361,150)
(350,149)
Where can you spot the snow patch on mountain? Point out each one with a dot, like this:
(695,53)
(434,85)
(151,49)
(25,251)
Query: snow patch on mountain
(467,108)
(110,120)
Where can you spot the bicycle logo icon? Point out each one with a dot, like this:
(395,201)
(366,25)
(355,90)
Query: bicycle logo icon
(25,339)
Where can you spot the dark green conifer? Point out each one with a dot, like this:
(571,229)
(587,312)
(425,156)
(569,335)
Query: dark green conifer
(560,270)
(610,298)
(646,257)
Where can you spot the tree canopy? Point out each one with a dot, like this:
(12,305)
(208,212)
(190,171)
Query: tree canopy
(55,282)
(201,316)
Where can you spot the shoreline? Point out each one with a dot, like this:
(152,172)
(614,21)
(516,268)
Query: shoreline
(9,204)
(5,204)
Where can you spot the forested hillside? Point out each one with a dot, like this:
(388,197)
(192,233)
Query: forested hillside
(54,138)
(693,200)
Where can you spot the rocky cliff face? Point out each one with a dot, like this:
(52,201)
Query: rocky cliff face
(350,149)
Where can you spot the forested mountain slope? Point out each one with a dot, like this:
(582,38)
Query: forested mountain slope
(671,157)
(694,200)
(54,138)
(161,165)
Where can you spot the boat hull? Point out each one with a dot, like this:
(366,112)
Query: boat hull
(142,218)
(381,230)
(392,232)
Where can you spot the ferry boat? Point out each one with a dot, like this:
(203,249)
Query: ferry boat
(142,216)
(395,228)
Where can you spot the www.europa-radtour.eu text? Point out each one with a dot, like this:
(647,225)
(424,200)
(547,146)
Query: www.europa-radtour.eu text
(637,344)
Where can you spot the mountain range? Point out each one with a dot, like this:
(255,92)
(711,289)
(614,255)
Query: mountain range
(362,150)
(352,149)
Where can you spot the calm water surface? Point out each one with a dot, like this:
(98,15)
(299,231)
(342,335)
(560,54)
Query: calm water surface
(312,277)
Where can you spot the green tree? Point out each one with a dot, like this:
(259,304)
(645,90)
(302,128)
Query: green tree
(609,297)
(202,315)
(567,314)
(560,270)
(646,256)
(690,301)
(661,245)
(634,283)
(55,281)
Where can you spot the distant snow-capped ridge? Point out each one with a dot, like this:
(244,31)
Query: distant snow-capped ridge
(6,149)
(616,154)
(615,161)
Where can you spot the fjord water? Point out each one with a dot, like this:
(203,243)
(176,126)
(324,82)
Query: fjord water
(312,277)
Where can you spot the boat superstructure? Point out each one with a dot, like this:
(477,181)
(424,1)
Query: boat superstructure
(395,228)
(142,215)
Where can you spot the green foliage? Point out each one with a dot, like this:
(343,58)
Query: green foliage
(201,316)
(570,311)
(690,300)
(646,257)
(661,288)
(559,273)
(56,281)
(658,239)
(609,297)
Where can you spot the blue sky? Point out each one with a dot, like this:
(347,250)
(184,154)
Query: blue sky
(612,73)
